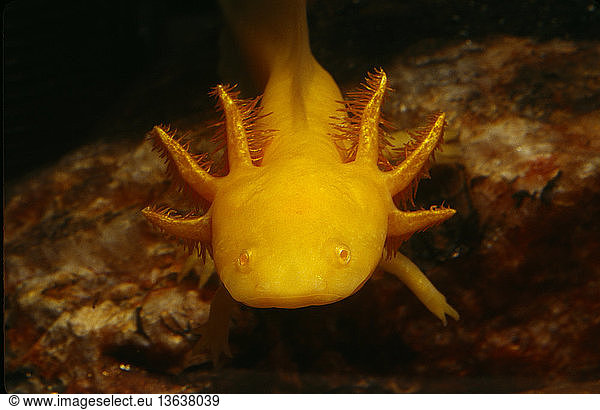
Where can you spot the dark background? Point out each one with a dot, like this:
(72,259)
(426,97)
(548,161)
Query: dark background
(78,71)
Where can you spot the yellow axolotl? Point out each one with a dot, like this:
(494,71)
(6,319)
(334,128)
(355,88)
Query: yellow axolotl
(305,213)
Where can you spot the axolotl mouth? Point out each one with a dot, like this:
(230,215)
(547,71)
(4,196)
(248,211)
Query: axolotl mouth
(292,294)
(293,301)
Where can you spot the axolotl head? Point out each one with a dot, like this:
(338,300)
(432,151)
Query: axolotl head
(298,230)
(294,237)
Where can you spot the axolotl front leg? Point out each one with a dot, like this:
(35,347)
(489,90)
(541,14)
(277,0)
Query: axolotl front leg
(215,332)
(401,267)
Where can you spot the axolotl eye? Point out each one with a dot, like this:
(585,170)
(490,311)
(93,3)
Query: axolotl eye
(243,260)
(343,254)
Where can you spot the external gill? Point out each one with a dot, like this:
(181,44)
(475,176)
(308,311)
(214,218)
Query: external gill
(194,176)
(195,231)
(366,121)
(240,117)
(403,175)
(361,127)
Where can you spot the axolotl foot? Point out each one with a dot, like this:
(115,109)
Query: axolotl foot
(401,267)
(214,335)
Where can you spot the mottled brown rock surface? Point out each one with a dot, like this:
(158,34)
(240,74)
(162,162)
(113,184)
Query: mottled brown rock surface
(94,302)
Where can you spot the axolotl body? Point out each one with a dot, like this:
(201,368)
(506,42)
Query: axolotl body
(305,213)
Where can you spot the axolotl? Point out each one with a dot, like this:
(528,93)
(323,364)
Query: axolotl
(305,212)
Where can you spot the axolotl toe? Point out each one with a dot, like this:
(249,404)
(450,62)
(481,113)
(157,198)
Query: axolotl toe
(305,212)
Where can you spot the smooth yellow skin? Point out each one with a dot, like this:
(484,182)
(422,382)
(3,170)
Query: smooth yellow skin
(304,234)
(303,228)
